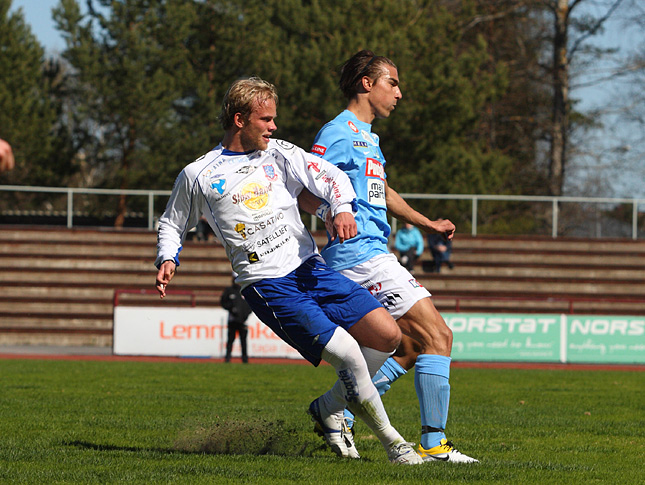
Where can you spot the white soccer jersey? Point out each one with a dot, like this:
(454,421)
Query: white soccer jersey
(249,199)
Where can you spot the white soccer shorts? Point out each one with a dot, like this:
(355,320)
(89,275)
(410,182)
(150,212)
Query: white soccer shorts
(390,283)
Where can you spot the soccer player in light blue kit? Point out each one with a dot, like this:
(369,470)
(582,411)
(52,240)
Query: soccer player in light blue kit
(371,84)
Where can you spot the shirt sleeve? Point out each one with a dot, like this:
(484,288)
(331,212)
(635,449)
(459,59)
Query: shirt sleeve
(321,178)
(182,214)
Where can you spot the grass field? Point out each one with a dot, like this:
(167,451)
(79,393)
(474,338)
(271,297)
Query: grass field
(143,422)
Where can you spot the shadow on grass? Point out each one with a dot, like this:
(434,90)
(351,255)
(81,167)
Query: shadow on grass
(259,437)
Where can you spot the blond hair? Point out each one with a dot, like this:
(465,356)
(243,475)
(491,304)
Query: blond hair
(242,96)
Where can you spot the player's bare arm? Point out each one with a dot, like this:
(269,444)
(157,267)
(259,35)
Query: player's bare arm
(400,209)
(165,274)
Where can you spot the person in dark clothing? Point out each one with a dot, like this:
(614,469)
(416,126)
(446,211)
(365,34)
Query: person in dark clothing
(238,312)
(441,250)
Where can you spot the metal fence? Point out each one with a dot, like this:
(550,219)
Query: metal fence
(555,204)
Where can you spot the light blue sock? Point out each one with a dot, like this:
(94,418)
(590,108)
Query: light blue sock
(433,389)
(389,372)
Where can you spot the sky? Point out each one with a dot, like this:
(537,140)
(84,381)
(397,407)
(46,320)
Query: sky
(38,14)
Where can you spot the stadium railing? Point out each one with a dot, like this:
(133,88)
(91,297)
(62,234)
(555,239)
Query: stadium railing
(475,199)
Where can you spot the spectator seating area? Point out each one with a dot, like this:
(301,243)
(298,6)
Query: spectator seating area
(58,284)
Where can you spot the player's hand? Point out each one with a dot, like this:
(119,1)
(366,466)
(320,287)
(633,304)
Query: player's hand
(344,227)
(165,274)
(445,227)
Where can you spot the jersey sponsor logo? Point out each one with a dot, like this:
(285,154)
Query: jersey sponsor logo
(273,236)
(253,257)
(352,127)
(253,196)
(252,229)
(374,168)
(376,192)
(219,185)
(246,169)
(276,247)
(270,173)
(315,166)
(319,149)
(359,144)
(414,283)
(240,228)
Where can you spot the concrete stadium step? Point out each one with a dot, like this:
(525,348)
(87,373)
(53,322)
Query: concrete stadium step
(536,286)
(543,271)
(58,285)
(113,278)
(114,263)
(546,244)
(55,338)
(100,250)
(22,233)
(54,307)
(488,258)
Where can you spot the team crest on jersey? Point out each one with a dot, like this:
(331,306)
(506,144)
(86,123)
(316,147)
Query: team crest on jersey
(219,185)
(414,283)
(270,173)
(352,126)
(373,288)
(374,168)
(318,149)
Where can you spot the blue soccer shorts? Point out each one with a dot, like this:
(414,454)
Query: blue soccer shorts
(305,307)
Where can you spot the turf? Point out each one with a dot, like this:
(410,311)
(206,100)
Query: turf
(142,422)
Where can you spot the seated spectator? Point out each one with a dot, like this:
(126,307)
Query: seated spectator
(441,250)
(409,243)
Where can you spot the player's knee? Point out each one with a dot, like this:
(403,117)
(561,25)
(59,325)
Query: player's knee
(392,338)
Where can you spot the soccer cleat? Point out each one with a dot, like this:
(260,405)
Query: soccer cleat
(330,427)
(403,453)
(445,451)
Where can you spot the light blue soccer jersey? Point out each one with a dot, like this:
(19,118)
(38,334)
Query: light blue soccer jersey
(350,145)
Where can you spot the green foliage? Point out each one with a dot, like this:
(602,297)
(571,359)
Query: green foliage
(28,113)
(142,422)
(130,65)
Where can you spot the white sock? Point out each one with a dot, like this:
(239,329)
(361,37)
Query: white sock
(354,387)
(374,359)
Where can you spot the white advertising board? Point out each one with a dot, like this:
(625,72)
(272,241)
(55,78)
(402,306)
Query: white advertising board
(189,332)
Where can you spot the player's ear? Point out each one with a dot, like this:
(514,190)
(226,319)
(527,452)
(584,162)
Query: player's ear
(239,120)
(367,83)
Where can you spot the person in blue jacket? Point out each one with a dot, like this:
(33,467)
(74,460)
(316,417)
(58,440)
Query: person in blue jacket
(408,241)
